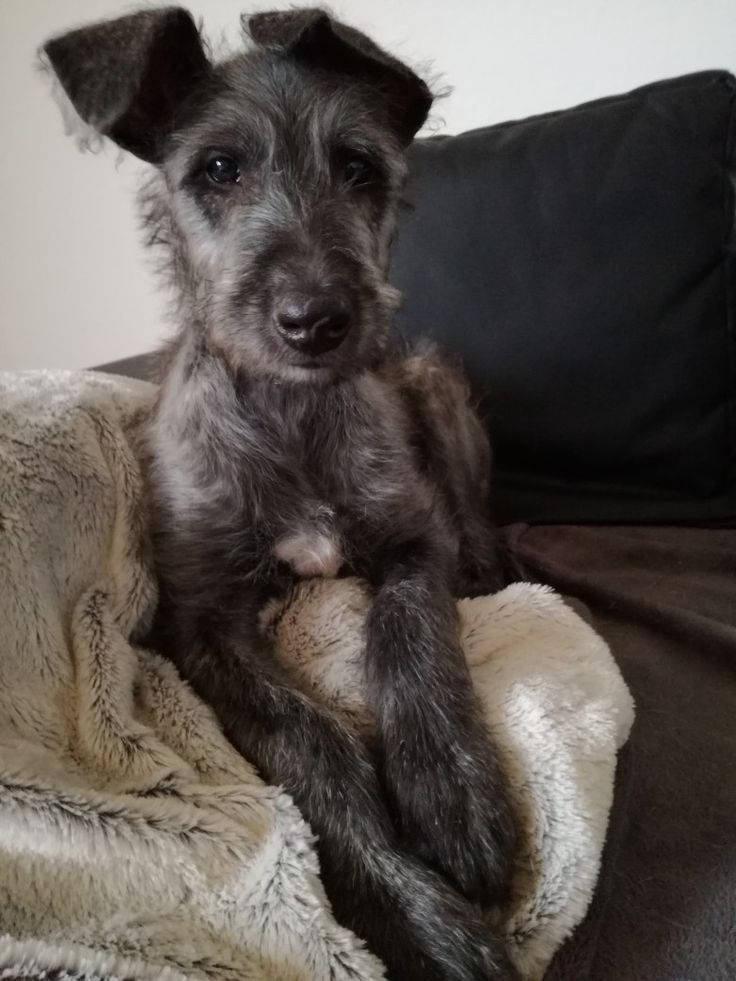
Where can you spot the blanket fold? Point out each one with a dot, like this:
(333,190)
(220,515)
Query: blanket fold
(134,840)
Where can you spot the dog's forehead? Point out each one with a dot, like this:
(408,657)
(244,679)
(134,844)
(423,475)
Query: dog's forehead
(265,94)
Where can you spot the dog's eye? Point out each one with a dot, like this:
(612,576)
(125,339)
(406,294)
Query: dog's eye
(222,169)
(357,171)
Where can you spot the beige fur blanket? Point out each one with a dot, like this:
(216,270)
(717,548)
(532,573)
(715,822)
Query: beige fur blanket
(134,842)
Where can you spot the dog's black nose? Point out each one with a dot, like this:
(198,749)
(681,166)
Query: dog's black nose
(314,324)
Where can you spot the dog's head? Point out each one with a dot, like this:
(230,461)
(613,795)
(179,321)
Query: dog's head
(278,174)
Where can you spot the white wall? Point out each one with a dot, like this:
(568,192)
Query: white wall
(75,289)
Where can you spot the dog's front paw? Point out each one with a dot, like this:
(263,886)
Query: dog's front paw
(420,927)
(453,812)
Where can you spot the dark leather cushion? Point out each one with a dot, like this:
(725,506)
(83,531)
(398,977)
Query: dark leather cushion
(582,263)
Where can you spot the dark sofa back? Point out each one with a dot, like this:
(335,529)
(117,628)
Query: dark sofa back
(582,263)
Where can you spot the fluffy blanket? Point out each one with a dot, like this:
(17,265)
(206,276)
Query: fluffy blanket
(134,841)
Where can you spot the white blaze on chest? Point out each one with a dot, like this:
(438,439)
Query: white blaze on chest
(310,552)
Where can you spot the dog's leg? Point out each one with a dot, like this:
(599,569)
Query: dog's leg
(420,928)
(440,769)
(454,447)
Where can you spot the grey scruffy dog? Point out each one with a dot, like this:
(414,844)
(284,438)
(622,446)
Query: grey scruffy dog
(291,439)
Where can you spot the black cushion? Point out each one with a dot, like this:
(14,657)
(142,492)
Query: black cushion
(582,263)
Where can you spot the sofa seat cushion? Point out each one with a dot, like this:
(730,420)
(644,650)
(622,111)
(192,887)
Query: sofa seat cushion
(663,598)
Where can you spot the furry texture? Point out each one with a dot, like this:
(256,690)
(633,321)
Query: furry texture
(134,840)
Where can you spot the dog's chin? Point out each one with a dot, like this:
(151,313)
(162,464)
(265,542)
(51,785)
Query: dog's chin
(310,371)
(319,370)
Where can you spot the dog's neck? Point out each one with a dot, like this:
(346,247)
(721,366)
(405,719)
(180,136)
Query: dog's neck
(195,367)
(230,443)
(203,397)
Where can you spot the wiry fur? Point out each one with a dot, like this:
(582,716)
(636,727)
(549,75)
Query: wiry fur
(382,456)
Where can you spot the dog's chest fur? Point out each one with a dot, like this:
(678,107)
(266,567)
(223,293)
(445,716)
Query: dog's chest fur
(312,475)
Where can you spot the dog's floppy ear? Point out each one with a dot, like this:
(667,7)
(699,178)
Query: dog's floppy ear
(314,37)
(127,78)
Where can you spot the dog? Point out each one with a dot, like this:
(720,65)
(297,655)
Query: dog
(292,438)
